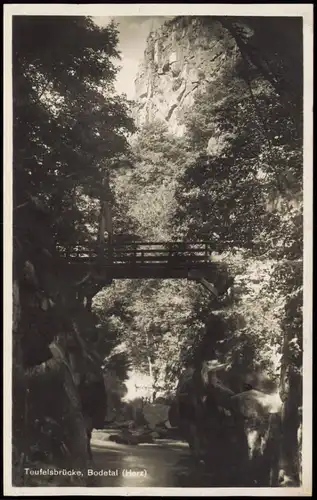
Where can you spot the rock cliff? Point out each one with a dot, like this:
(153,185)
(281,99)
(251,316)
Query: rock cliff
(180,58)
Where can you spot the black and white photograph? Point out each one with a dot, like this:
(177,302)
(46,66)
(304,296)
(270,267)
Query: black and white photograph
(158,187)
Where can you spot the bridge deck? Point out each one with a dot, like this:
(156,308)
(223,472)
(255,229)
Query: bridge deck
(146,260)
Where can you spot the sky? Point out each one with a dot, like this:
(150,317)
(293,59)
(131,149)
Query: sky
(133,32)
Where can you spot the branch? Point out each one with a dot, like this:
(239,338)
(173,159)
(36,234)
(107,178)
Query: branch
(247,53)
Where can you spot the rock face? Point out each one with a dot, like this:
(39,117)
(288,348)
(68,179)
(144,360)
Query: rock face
(181,58)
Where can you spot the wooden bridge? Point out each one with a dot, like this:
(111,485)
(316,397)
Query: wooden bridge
(113,259)
(149,260)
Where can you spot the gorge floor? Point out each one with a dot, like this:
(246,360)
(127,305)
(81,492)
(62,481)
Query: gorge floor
(165,463)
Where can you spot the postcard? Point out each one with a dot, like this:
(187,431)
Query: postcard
(158,249)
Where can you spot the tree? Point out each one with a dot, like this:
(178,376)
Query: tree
(146,192)
(67,119)
(245,191)
(68,128)
(275,49)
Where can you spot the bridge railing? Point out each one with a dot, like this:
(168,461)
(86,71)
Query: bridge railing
(160,253)
(132,253)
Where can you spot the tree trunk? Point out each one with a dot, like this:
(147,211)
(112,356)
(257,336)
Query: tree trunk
(151,376)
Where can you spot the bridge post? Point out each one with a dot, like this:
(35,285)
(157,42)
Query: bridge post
(105,252)
(206,250)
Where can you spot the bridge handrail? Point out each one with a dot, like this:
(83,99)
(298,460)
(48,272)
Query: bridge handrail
(143,252)
(161,243)
(155,251)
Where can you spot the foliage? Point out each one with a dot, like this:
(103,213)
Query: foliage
(146,193)
(68,123)
(235,179)
(69,127)
(225,194)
